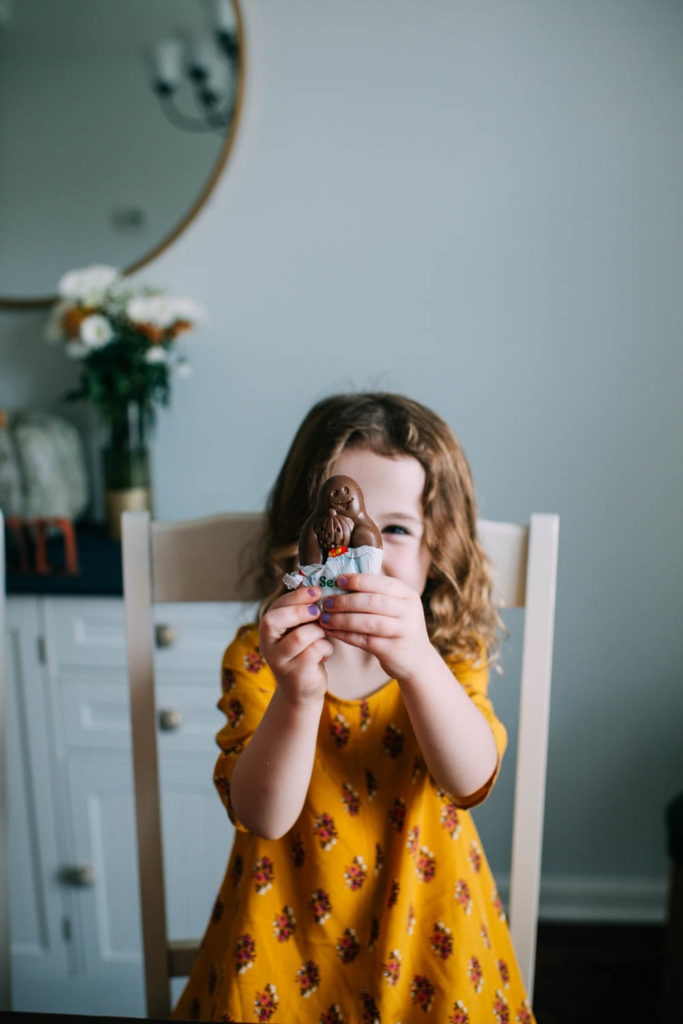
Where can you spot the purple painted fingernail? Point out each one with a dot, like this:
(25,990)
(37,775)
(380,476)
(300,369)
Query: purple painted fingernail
(325,617)
(328,602)
(313,609)
(342,581)
(312,591)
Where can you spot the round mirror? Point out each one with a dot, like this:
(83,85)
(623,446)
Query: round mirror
(117,117)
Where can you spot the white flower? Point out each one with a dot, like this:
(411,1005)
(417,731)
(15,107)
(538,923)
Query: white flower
(87,286)
(151,309)
(155,354)
(117,297)
(95,331)
(186,309)
(162,310)
(76,349)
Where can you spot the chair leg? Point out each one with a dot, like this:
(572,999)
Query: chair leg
(672,966)
(68,534)
(42,565)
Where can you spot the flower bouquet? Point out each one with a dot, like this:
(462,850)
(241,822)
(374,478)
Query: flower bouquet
(125,335)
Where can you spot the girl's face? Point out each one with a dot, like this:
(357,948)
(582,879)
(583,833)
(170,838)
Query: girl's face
(393,488)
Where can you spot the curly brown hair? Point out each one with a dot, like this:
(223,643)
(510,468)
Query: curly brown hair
(461,619)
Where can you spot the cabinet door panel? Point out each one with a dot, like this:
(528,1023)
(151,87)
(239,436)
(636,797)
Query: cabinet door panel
(106,902)
(39,925)
(197,837)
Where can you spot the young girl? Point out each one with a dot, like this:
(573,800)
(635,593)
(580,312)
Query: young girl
(358,733)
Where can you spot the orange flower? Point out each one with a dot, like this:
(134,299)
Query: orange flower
(154,334)
(179,326)
(73,318)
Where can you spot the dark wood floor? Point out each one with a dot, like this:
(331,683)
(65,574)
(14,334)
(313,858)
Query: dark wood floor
(597,974)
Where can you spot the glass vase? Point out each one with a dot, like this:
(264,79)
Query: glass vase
(126,462)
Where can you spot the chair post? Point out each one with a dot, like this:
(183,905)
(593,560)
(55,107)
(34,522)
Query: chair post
(532,746)
(140,654)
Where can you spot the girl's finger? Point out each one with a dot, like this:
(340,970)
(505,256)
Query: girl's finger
(295,597)
(371,583)
(350,622)
(298,640)
(278,622)
(379,604)
(365,641)
(317,652)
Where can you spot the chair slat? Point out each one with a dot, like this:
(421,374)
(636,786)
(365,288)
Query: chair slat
(204,559)
(507,546)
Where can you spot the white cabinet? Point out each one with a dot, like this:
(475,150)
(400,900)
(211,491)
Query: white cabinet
(73,870)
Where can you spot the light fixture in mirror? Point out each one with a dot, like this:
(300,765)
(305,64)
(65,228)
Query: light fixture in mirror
(99,169)
(210,63)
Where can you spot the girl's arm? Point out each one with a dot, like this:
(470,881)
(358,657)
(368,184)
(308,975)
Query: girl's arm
(271,776)
(384,616)
(453,734)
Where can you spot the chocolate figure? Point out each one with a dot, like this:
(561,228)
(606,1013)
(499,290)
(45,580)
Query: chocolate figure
(339,520)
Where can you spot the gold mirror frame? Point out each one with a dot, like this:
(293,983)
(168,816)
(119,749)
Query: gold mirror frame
(49,300)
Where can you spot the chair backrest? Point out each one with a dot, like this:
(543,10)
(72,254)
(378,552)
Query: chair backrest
(4,834)
(200,560)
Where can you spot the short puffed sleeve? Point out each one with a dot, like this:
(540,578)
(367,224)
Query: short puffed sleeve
(473,676)
(248,685)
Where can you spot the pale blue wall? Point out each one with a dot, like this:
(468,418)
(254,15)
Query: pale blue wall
(478,204)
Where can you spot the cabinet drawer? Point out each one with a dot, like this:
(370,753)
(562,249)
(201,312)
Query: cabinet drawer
(197,717)
(86,631)
(96,715)
(193,637)
(188,636)
(95,710)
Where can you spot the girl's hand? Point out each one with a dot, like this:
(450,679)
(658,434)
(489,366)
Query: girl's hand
(384,616)
(295,646)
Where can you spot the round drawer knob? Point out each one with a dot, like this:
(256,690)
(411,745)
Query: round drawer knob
(165,635)
(170,719)
(82,876)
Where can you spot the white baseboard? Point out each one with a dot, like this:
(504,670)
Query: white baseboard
(571,898)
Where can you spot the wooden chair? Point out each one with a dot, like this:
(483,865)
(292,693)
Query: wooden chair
(4,835)
(200,561)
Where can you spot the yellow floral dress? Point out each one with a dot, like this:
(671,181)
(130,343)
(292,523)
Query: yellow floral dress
(378,906)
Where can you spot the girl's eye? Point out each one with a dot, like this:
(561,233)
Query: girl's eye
(394,528)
